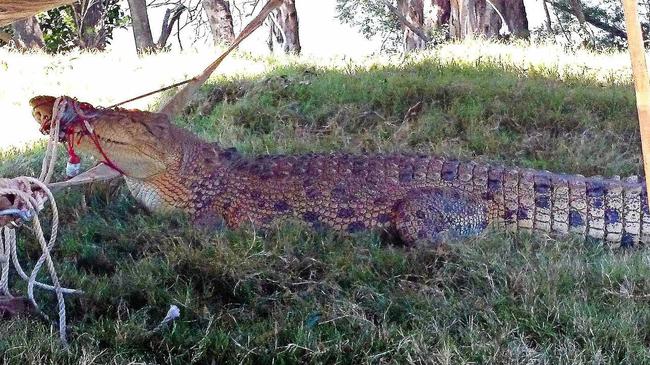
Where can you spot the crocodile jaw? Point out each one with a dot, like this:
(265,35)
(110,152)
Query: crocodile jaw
(148,195)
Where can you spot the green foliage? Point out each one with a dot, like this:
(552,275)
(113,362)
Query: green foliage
(291,295)
(60,30)
(373,19)
(607,13)
(115,18)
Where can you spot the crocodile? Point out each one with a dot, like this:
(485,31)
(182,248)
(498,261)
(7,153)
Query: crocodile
(418,199)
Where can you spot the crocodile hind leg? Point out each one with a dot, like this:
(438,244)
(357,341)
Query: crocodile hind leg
(429,215)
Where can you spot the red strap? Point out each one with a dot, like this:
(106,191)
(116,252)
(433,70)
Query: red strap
(93,137)
(107,160)
(74,158)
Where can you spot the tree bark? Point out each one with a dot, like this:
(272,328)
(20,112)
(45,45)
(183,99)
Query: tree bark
(141,27)
(275,33)
(514,12)
(436,13)
(454,19)
(220,20)
(547,13)
(469,26)
(171,17)
(28,34)
(486,18)
(406,23)
(287,21)
(593,21)
(471,18)
(576,6)
(89,17)
(413,12)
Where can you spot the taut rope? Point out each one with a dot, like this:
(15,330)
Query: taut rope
(152,93)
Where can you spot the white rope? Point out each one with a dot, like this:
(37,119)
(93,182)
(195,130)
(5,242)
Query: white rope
(20,187)
(47,167)
(5,252)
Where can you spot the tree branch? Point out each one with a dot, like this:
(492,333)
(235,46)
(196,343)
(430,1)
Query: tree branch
(576,6)
(414,28)
(171,17)
(591,20)
(549,27)
(180,100)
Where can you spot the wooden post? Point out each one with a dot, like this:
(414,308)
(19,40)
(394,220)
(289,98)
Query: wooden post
(641,81)
(176,104)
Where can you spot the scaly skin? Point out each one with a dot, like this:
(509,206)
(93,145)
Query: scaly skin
(421,199)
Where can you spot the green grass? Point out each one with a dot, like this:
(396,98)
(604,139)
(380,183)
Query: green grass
(295,296)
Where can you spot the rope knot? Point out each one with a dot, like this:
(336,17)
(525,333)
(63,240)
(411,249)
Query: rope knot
(21,199)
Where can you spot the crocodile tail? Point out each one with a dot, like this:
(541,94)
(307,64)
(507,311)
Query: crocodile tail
(611,209)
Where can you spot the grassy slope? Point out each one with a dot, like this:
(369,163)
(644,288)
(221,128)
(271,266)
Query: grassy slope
(295,296)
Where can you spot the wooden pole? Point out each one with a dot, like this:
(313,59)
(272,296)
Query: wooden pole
(175,105)
(641,81)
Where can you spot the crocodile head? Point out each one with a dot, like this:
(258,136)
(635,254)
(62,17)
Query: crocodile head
(140,144)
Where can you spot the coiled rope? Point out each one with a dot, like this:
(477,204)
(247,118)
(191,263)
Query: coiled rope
(20,187)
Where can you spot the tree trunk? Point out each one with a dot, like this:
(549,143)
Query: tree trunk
(413,11)
(469,24)
(547,13)
(454,19)
(220,20)
(275,33)
(141,27)
(513,12)
(28,34)
(436,13)
(406,23)
(172,15)
(287,21)
(471,18)
(576,6)
(486,18)
(89,19)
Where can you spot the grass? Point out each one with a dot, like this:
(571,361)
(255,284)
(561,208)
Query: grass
(296,296)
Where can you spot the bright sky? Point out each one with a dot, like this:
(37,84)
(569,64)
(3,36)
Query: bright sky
(321,33)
